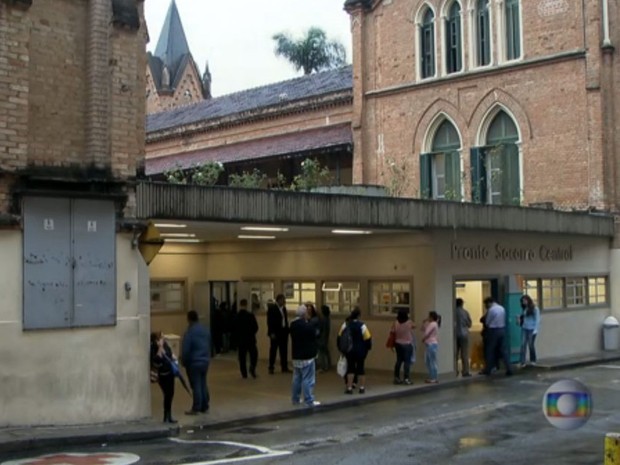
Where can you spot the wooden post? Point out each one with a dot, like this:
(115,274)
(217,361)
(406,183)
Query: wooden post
(612,449)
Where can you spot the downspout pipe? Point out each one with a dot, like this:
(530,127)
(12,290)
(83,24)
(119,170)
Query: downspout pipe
(606,33)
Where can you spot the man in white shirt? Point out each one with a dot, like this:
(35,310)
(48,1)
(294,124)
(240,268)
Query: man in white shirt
(495,322)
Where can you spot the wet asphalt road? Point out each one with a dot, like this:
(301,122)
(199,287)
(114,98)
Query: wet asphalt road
(495,422)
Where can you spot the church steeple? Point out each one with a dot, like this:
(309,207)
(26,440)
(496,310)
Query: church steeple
(172,45)
(174,75)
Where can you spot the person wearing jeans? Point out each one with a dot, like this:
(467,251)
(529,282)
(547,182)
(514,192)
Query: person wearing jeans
(530,323)
(403,345)
(195,356)
(304,349)
(430,330)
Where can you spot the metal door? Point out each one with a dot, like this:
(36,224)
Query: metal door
(94,255)
(48,264)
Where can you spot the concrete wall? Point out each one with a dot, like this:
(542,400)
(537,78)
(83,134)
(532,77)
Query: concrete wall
(72,376)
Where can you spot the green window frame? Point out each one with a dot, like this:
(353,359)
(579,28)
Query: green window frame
(495,167)
(483,33)
(440,170)
(427,44)
(513,30)
(454,47)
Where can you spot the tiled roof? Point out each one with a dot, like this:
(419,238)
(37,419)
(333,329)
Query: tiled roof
(285,144)
(272,95)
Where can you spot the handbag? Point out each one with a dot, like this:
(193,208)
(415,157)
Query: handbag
(341,367)
(391,340)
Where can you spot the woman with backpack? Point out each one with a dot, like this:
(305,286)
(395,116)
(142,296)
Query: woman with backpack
(354,341)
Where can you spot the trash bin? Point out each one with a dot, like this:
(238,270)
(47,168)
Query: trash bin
(611,334)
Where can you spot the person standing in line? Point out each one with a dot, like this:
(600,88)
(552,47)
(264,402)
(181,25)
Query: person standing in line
(277,329)
(530,323)
(195,357)
(403,345)
(430,329)
(162,359)
(361,345)
(496,338)
(246,328)
(463,324)
(304,351)
(324,358)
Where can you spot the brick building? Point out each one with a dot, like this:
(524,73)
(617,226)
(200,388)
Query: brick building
(71,144)
(172,75)
(511,102)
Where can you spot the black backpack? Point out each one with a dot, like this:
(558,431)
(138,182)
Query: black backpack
(345,342)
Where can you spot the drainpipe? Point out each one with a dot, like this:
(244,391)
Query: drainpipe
(98,91)
(606,37)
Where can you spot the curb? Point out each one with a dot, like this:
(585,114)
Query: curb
(577,364)
(34,442)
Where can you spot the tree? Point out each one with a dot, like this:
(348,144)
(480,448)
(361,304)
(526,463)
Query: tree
(312,53)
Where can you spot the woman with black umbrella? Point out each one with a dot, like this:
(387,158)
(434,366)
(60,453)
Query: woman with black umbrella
(161,362)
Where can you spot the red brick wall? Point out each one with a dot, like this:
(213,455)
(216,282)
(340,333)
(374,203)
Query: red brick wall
(553,93)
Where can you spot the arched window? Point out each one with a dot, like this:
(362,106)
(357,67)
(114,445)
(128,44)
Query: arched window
(513,30)
(495,166)
(454,47)
(427,44)
(440,170)
(483,33)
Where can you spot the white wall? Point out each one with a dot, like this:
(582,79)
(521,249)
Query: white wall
(80,376)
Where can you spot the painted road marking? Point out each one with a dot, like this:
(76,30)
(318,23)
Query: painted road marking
(263,452)
(78,459)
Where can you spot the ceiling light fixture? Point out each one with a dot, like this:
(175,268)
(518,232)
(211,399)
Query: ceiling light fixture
(241,236)
(186,241)
(177,235)
(350,231)
(170,225)
(264,229)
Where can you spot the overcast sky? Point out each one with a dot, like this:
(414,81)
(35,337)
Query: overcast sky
(235,35)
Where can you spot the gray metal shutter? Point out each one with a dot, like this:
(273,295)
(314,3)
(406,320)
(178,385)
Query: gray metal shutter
(94,253)
(48,281)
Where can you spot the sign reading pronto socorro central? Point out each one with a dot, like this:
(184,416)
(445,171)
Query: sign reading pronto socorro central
(511,253)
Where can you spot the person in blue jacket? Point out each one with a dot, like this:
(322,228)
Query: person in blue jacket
(195,357)
(530,324)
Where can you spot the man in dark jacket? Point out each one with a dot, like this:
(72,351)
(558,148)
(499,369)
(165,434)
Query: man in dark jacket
(195,357)
(246,328)
(305,347)
(277,330)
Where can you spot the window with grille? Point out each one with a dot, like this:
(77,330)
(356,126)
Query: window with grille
(341,297)
(299,292)
(387,298)
(597,290)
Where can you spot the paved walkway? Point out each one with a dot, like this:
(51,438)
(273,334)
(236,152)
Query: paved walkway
(238,401)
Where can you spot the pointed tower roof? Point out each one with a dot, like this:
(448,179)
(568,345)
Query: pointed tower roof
(172,45)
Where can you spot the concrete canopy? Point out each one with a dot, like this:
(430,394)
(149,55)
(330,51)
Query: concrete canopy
(164,201)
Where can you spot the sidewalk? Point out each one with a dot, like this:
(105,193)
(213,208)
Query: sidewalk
(242,402)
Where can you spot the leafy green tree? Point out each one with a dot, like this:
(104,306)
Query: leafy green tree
(312,53)
(248,179)
(312,175)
